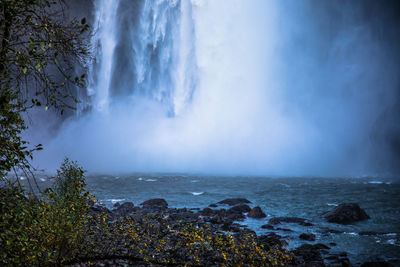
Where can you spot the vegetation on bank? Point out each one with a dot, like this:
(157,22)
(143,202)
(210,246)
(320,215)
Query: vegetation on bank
(62,227)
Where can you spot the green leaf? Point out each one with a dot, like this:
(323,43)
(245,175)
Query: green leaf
(46,108)
(24,70)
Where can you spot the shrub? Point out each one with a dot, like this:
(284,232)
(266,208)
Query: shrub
(46,229)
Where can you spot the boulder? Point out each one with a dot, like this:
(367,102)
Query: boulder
(279,220)
(155,203)
(284,229)
(271,240)
(310,255)
(267,226)
(206,212)
(234,201)
(239,208)
(124,209)
(308,237)
(256,213)
(346,213)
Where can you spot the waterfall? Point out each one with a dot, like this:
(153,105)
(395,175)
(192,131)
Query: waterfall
(143,49)
(245,87)
(103,44)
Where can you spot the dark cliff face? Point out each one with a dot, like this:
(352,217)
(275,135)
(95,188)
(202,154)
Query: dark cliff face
(383,18)
(344,73)
(81,8)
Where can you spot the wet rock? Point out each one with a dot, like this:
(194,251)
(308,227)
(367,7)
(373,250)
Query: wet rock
(284,229)
(310,255)
(234,201)
(240,208)
(345,214)
(267,226)
(308,237)
(256,213)
(155,203)
(182,215)
(377,264)
(213,205)
(235,216)
(345,262)
(300,221)
(271,240)
(124,209)
(322,246)
(206,212)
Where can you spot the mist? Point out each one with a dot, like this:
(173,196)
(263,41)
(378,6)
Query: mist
(283,88)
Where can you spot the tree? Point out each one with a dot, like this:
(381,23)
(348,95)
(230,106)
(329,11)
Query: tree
(40,48)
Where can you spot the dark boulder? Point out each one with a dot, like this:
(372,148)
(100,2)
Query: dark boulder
(267,226)
(124,209)
(271,240)
(239,208)
(182,215)
(234,201)
(345,214)
(308,237)
(322,246)
(279,220)
(155,203)
(284,229)
(213,205)
(256,213)
(310,255)
(206,212)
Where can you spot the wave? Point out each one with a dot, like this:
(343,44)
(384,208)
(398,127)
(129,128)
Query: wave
(196,193)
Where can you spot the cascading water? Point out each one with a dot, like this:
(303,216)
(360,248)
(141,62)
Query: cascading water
(143,49)
(245,87)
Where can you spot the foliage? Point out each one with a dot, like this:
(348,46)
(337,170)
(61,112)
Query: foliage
(44,231)
(40,48)
(154,241)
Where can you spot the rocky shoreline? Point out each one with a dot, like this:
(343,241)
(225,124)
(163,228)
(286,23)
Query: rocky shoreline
(228,215)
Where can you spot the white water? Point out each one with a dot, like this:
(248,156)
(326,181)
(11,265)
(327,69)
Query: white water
(206,86)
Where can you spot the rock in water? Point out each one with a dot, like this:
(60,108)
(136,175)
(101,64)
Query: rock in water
(240,208)
(256,213)
(279,220)
(346,213)
(155,203)
(308,237)
(234,201)
(124,209)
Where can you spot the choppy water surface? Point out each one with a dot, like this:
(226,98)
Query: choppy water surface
(300,197)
